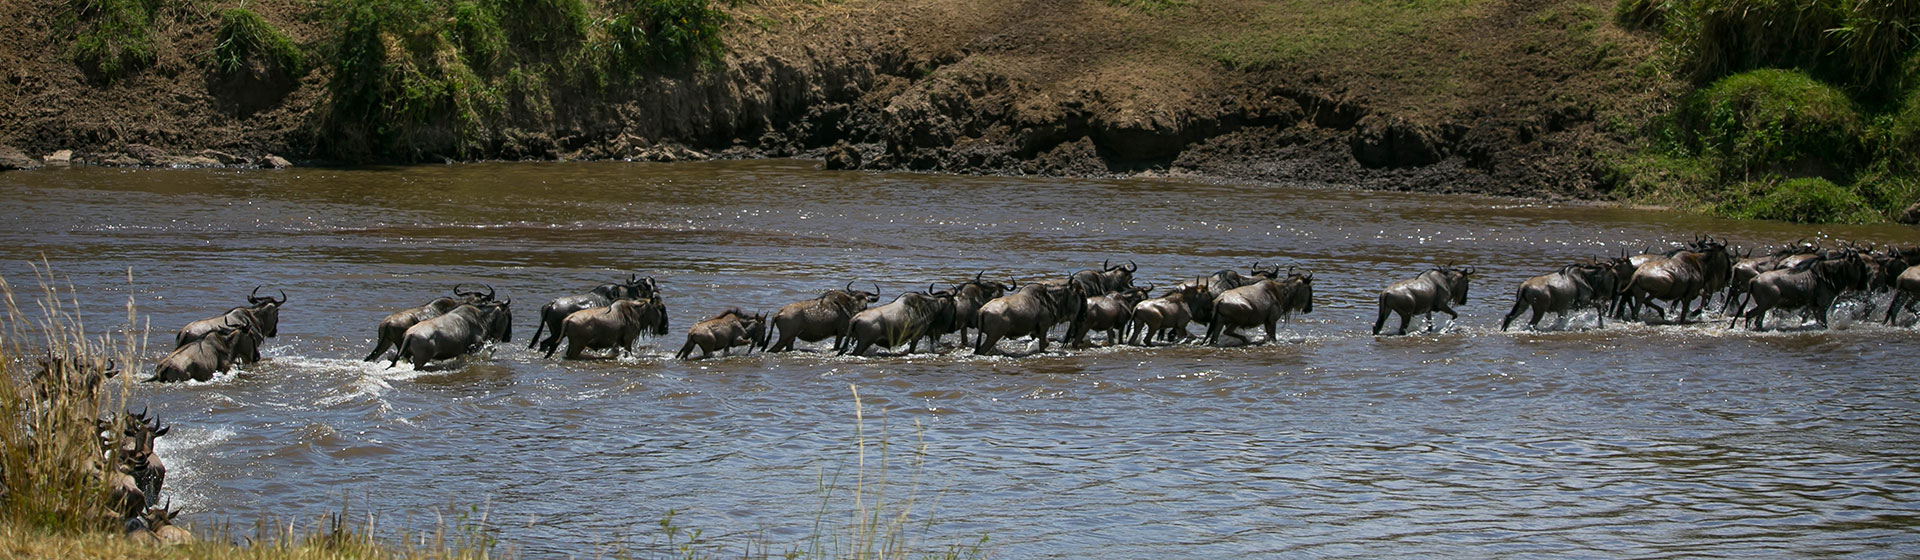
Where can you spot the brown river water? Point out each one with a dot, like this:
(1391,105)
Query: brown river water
(1629,441)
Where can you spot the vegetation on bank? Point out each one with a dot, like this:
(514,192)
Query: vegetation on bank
(1801,110)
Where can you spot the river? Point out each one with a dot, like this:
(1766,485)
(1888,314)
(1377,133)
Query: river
(1628,441)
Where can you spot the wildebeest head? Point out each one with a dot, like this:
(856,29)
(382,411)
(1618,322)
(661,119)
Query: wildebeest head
(861,299)
(1456,281)
(498,316)
(473,296)
(1300,290)
(266,311)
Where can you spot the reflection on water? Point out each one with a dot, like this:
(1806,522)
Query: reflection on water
(1627,441)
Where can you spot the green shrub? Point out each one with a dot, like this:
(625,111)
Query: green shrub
(546,25)
(1642,15)
(1875,39)
(1807,200)
(1770,119)
(653,34)
(476,30)
(400,86)
(1720,37)
(112,37)
(244,36)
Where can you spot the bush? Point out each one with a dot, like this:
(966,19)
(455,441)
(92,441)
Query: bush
(1806,200)
(652,34)
(244,37)
(1774,119)
(401,87)
(113,37)
(1720,37)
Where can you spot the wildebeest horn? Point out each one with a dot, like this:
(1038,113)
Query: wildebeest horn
(1103,265)
(254,296)
(977,275)
(930,286)
(1132,267)
(876,289)
(1256,266)
(1468,270)
(849,286)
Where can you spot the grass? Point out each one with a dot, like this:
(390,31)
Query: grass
(244,37)
(112,38)
(1296,31)
(1771,118)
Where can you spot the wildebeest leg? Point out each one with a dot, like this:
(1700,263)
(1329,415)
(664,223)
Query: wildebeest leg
(1893,307)
(1382,320)
(378,349)
(1404,319)
(1519,306)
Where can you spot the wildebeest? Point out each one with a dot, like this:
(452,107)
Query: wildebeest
(394,327)
(1813,283)
(613,326)
(1109,313)
(1573,286)
(464,330)
(1110,278)
(261,313)
(214,353)
(1438,289)
(1031,310)
(603,295)
(830,315)
(1906,293)
(1169,314)
(1264,303)
(730,328)
(967,299)
(1226,279)
(1679,278)
(137,452)
(155,526)
(905,320)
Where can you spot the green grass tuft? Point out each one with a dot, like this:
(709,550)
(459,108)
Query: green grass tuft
(1775,120)
(113,38)
(244,36)
(1807,200)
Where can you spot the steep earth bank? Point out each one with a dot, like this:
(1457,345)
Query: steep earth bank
(1508,97)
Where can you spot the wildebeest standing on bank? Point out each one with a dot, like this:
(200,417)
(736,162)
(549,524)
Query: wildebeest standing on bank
(730,328)
(1679,278)
(1169,314)
(1434,290)
(465,330)
(613,326)
(1031,310)
(214,353)
(905,320)
(603,295)
(830,315)
(262,314)
(1573,286)
(394,327)
(1264,303)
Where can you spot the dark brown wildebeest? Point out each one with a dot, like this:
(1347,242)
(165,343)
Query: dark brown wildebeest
(967,299)
(614,326)
(1167,316)
(1438,289)
(1264,303)
(394,327)
(213,353)
(603,295)
(465,330)
(1109,313)
(1030,311)
(262,314)
(1574,286)
(1906,293)
(730,328)
(1110,278)
(830,315)
(1678,279)
(1813,283)
(906,320)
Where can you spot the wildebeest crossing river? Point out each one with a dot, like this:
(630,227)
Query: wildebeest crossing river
(1634,440)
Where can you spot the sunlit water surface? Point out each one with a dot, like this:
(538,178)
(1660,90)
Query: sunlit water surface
(1630,441)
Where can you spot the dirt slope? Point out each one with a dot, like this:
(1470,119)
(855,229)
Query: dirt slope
(1492,96)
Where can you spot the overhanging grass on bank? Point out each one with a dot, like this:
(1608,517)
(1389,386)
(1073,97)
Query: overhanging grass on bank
(1800,110)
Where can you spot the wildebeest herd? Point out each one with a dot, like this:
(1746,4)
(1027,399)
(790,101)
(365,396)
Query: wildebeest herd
(1799,276)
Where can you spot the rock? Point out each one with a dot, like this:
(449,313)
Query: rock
(60,158)
(275,162)
(148,155)
(843,156)
(11,159)
(190,162)
(117,160)
(1912,215)
(223,157)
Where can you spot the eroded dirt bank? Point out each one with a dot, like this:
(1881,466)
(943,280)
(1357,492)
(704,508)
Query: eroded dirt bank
(1502,97)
